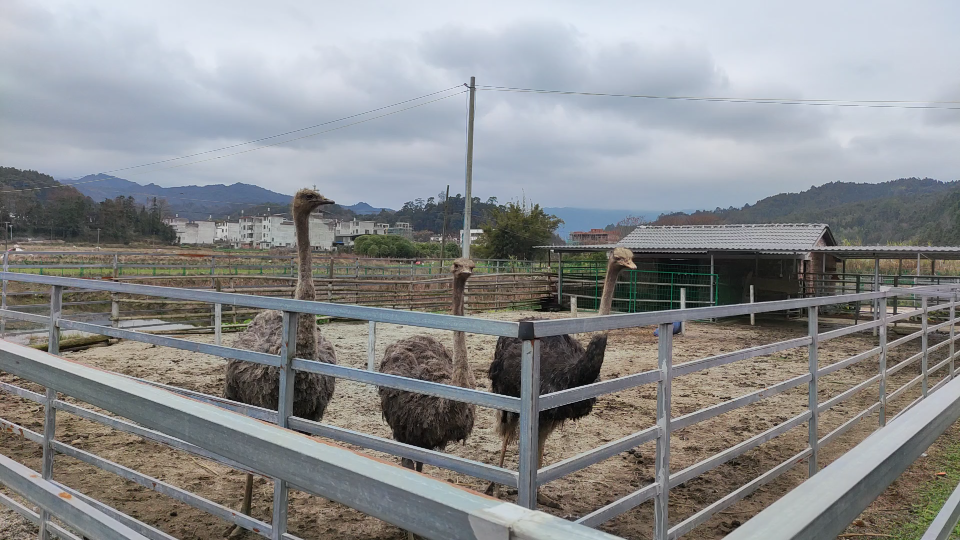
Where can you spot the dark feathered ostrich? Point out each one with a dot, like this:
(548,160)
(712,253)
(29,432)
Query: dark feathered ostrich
(564,363)
(430,421)
(259,385)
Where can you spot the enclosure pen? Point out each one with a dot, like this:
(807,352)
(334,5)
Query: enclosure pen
(74,379)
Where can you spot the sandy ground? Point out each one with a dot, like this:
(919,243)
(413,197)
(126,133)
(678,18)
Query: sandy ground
(356,406)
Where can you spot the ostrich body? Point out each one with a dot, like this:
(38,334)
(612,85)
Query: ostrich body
(430,421)
(564,364)
(259,385)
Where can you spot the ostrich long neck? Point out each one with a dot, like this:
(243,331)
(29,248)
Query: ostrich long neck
(462,376)
(305,288)
(609,284)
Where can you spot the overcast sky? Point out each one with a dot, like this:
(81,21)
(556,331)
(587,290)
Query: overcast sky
(94,86)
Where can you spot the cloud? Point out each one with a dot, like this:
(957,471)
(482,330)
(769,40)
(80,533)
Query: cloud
(88,90)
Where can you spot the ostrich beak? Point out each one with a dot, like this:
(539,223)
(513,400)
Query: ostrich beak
(631,265)
(324,200)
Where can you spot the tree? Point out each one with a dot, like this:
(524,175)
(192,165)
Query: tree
(384,245)
(515,229)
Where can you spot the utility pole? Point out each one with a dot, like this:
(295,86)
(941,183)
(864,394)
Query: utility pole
(443,235)
(468,207)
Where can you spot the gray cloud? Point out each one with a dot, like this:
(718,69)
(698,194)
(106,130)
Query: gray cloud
(92,89)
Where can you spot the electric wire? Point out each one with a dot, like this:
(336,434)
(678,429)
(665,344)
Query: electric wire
(876,104)
(261,147)
(285,133)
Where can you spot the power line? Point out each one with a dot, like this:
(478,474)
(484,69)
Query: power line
(303,136)
(263,139)
(285,133)
(877,104)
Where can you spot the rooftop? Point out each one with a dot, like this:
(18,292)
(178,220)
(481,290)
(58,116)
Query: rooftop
(722,237)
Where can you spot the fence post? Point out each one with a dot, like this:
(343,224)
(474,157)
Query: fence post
(217,322)
(529,424)
(883,361)
(288,350)
(683,305)
(3,320)
(573,305)
(560,278)
(856,312)
(114,310)
(116,265)
(923,345)
(661,519)
(49,411)
(372,346)
(953,314)
(213,271)
(813,330)
(753,316)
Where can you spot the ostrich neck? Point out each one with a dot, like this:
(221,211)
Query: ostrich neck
(305,288)
(609,284)
(462,376)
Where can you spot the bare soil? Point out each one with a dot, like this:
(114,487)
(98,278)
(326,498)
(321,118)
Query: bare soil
(356,406)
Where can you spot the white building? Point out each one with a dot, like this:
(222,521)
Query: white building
(193,232)
(475,235)
(251,231)
(228,232)
(403,229)
(322,233)
(348,231)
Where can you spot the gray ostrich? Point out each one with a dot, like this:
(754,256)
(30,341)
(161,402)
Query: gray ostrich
(418,419)
(259,385)
(564,363)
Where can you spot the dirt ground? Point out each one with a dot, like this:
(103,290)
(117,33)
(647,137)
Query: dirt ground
(356,406)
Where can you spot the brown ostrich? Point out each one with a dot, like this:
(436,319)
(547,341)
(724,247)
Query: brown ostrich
(429,421)
(564,363)
(259,385)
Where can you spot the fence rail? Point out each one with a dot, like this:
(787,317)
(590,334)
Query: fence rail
(528,477)
(431,508)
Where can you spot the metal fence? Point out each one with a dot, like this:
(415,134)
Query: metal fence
(527,478)
(428,507)
(651,287)
(823,506)
(98,264)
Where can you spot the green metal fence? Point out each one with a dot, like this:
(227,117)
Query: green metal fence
(651,287)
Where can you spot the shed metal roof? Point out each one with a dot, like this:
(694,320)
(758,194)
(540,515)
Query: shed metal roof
(890,252)
(778,236)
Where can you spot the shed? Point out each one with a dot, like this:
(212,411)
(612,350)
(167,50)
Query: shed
(716,264)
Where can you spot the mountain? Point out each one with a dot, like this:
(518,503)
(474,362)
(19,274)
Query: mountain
(195,202)
(584,219)
(363,209)
(39,207)
(907,210)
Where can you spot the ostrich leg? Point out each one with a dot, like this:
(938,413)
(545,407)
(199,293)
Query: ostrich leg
(410,464)
(541,443)
(236,531)
(492,488)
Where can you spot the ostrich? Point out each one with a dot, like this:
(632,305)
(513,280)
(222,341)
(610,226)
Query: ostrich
(429,421)
(564,363)
(259,385)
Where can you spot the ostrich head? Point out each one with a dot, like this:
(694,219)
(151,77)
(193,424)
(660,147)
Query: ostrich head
(308,200)
(622,258)
(462,268)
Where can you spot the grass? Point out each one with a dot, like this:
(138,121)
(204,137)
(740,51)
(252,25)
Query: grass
(932,494)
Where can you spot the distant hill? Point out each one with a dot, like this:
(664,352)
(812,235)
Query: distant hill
(362,209)
(39,207)
(584,219)
(908,210)
(195,202)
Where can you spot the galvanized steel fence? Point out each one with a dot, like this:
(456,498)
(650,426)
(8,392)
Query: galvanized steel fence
(527,478)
